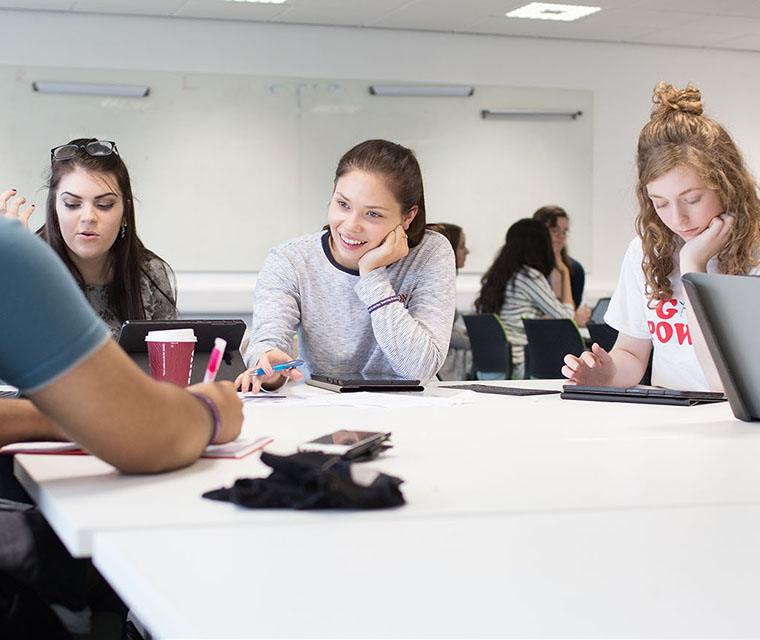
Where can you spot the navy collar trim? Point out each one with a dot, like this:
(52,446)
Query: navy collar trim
(329,255)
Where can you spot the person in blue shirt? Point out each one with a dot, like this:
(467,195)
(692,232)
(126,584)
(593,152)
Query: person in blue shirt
(81,386)
(59,354)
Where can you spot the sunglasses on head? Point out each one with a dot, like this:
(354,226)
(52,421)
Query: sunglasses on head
(94,148)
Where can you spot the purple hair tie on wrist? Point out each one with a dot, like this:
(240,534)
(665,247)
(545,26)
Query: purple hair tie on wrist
(214,413)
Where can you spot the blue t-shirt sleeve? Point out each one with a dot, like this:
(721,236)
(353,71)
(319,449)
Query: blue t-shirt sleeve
(46,325)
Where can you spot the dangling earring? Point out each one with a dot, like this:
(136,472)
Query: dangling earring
(124,230)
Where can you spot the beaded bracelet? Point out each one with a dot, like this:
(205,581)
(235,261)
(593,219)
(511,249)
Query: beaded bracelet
(214,413)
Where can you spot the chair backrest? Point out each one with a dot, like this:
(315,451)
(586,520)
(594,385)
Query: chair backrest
(602,333)
(600,308)
(549,340)
(491,350)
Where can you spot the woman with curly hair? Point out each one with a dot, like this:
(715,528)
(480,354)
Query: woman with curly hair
(699,212)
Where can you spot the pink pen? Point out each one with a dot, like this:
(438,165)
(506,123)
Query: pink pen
(220,344)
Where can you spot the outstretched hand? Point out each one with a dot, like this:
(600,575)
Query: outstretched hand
(10,207)
(593,368)
(697,251)
(271,379)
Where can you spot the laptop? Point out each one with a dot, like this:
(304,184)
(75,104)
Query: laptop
(132,340)
(641,394)
(347,383)
(728,312)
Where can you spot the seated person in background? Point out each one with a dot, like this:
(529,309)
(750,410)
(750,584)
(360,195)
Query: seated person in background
(61,355)
(90,224)
(555,219)
(698,212)
(372,292)
(458,361)
(516,286)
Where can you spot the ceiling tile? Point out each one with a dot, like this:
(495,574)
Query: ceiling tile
(705,31)
(41,5)
(611,25)
(445,16)
(137,7)
(746,8)
(218,9)
(360,13)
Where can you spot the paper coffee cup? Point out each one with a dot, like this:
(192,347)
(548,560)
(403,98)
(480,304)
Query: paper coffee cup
(171,354)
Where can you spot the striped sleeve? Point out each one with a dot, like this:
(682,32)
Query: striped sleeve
(536,288)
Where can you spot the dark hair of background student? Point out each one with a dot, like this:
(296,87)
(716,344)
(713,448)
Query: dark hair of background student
(127,255)
(548,216)
(403,177)
(527,243)
(452,232)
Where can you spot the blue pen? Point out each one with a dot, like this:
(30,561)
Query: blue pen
(278,367)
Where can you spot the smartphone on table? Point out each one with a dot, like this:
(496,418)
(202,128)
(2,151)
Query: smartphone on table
(348,444)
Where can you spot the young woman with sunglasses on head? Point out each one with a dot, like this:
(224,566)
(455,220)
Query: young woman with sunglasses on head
(373,292)
(90,223)
(699,211)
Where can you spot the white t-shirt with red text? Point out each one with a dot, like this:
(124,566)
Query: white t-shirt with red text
(675,364)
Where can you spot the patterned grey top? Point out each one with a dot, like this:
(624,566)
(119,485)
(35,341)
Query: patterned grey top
(155,303)
(394,321)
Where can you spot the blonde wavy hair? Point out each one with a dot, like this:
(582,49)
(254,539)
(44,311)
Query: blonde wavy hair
(678,134)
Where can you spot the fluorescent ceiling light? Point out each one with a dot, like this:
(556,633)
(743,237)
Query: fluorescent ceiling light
(518,113)
(82,88)
(549,11)
(420,91)
(260,1)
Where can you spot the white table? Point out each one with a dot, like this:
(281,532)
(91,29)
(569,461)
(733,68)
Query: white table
(686,572)
(498,455)
(524,516)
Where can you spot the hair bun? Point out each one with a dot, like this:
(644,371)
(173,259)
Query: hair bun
(667,99)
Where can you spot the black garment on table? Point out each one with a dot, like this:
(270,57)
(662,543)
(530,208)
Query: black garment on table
(311,481)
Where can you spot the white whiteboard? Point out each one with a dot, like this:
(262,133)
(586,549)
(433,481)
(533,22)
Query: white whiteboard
(226,166)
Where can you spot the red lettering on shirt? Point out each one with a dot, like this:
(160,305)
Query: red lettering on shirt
(650,324)
(682,331)
(664,313)
(664,332)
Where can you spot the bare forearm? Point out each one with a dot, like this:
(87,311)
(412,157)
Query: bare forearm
(21,421)
(629,368)
(119,414)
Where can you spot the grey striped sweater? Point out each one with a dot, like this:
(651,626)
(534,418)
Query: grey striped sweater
(301,289)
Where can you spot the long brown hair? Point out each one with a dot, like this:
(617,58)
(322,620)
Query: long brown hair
(548,216)
(399,166)
(678,134)
(127,256)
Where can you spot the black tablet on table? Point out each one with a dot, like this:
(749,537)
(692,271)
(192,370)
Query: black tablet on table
(640,394)
(347,383)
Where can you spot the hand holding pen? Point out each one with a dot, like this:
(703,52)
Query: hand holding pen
(272,371)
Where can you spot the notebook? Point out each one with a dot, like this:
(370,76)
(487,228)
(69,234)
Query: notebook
(641,394)
(132,340)
(346,383)
(728,311)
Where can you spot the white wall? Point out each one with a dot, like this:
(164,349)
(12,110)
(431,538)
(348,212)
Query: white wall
(621,77)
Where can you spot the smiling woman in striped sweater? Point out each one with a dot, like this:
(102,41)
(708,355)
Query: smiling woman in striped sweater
(373,292)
